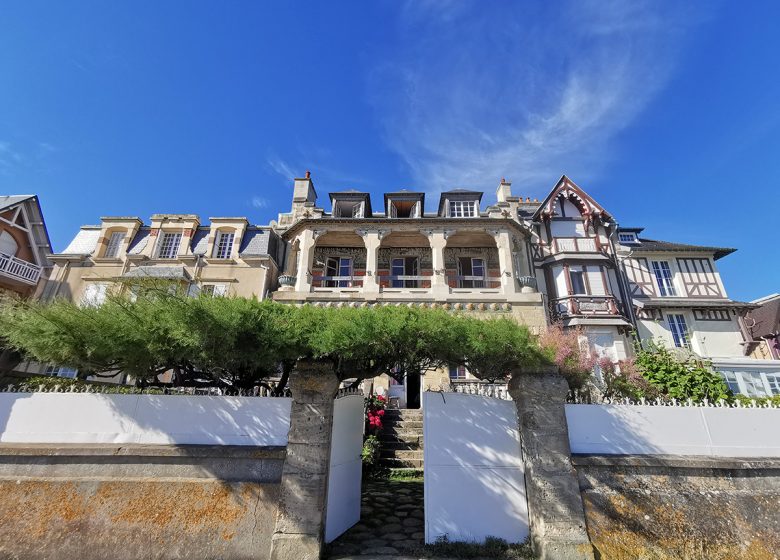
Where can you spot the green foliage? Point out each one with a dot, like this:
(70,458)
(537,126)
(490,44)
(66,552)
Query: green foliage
(623,380)
(240,343)
(370,453)
(680,378)
(759,401)
(492,548)
(565,347)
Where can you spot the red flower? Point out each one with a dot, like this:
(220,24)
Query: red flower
(380,412)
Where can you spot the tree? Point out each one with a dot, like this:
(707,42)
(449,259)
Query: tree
(492,348)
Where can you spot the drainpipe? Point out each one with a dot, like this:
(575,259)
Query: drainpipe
(625,294)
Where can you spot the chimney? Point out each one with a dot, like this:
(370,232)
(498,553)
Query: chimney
(504,190)
(303,191)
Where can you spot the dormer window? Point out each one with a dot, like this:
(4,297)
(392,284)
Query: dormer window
(223,247)
(348,209)
(404,208)
(627,238)
(114,243)
(463,209)
(168,246)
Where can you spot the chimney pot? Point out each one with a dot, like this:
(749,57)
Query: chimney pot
(308,174)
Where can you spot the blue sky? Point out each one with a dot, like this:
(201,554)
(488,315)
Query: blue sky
(667,114)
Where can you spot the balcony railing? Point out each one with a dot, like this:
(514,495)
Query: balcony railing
(584,305)
(566,245)
(475,282)
(481,388)
(332,282)
(402,282)
(19,269)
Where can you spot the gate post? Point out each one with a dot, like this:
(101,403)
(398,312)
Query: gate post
(555,511)
(298,534)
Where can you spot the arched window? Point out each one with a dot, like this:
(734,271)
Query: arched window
(8,244)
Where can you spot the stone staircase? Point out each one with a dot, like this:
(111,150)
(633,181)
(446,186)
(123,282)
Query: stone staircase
(402,439)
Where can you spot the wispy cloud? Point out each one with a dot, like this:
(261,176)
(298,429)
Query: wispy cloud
(526,91)
(260,202)
(280,167)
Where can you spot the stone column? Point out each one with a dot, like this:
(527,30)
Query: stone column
(371,239)
(556,513)
(438,241)
(506,262)
(307,241)
(300,520)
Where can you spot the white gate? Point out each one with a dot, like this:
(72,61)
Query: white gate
(474,477)
(346,469)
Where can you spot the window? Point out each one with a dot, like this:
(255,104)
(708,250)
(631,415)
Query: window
(168,246)
(60,371)
(577,278)
(731,380)
(627,237)
(463,209)
(663,277)
(458,372)
(405,209)
(114,242)
(773,380)
(224,245)
(94,294)
(338,267)
(214,290)
(404,266)
(8,244)
(679,330)
(471,272)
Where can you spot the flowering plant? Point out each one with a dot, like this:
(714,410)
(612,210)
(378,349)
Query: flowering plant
(375,410)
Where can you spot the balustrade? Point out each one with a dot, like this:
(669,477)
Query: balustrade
(19,269)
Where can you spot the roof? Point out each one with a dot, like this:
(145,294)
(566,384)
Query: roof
(458,194)
(200,241)
(566,185)
(259,242)
(695,303)
(140,240)
(8,200)
(656,246)
(352,194)
(84,243)
(765,319)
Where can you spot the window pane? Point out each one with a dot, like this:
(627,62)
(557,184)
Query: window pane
(112,250)
(224,245)
(169,246)
(577,281)
(679,330)
(663,277)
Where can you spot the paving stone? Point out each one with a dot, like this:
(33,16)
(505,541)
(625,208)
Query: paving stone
(412,522)
(392,519)
(379,550)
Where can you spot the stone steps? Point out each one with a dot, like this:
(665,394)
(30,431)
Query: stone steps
(402,439)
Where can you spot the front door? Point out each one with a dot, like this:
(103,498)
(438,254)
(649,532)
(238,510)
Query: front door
(413,383)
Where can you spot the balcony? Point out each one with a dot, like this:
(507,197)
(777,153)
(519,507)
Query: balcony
(566,245)
(585,306)
(19,269)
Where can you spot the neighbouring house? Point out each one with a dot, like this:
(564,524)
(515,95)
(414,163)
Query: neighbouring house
(464,256)
(763,325)
(24,258)
(227,257)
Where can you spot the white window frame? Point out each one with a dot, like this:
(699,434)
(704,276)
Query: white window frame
(114,244)
(61,371)
(223,244)
(678,327)
(339,265)
(579,270)
(169,250)
(463,209)
(664,278)
(460,373)
(214,290)
(627,237)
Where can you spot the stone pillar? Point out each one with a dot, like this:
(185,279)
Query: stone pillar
(307,241)
(300,521)
(438,241)
(556,513)
(371,239)
(506,262)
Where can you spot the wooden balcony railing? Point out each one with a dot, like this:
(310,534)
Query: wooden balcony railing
(401,282)
(585,305)
(19,269)
(566,245)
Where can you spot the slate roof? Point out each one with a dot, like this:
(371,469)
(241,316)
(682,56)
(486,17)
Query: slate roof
(139,241)
(200,241)
(84,243)
(766,318)
(259,242)
(656,246)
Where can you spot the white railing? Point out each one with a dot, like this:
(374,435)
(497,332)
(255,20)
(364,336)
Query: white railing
(575,245)
(407,281)
(19,269)
(476,282)
(494,390)
(337,281)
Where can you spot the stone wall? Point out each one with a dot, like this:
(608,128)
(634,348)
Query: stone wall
(663,507)
(137,501)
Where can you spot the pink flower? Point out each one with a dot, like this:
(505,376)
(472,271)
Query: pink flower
(380,412)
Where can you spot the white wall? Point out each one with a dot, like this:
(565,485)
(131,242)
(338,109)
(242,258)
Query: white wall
(150,419)
(673,430)
(346,466)
(709,339)
(474,476)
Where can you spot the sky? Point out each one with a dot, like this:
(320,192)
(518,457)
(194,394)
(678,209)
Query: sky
(668,113)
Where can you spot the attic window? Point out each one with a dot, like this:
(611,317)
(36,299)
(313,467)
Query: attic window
(463,208)
(348,209)
(404,208)
(627,238)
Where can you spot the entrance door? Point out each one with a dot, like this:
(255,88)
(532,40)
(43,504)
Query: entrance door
(413,383)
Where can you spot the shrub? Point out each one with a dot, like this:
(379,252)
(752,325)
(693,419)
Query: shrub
(375,411)
(370,453)
(565,348)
